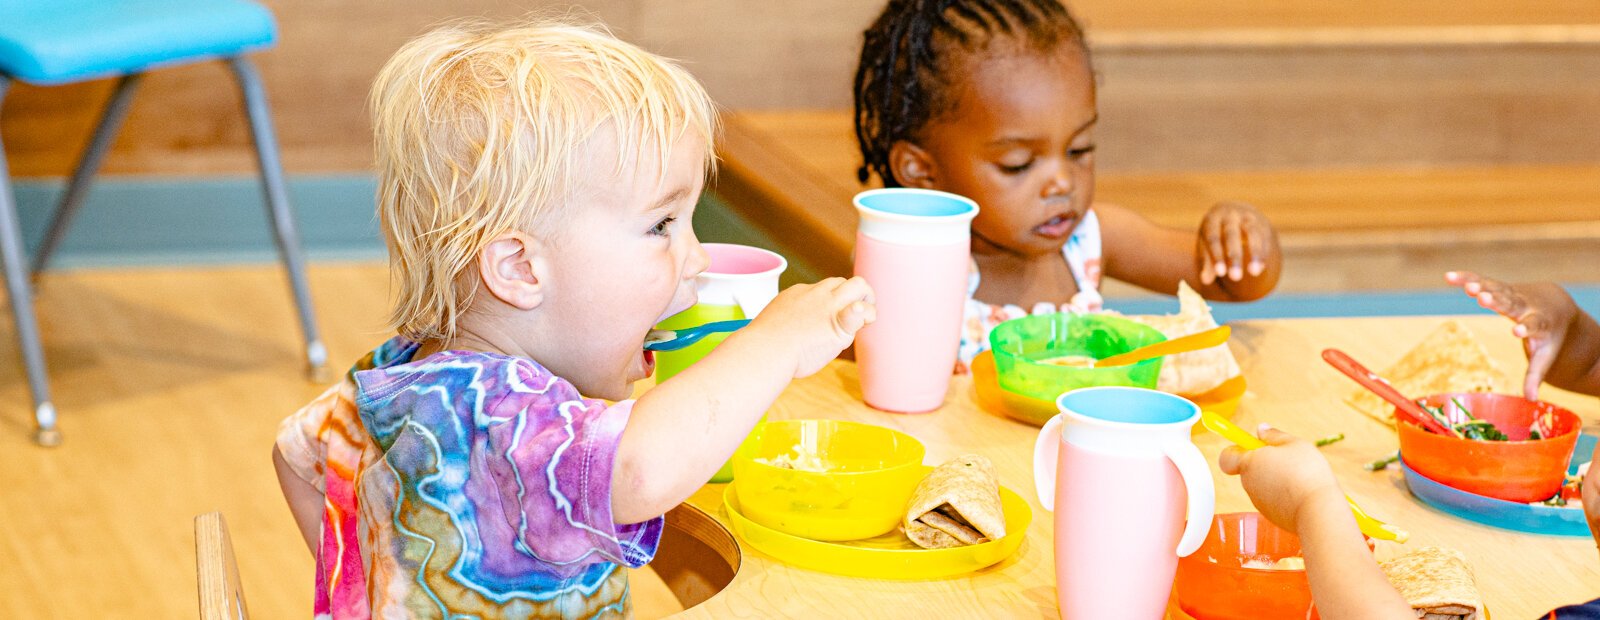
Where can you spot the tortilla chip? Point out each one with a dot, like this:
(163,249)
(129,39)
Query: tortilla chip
(1449,360)
(958,504)
(1437,583)
(1196,372)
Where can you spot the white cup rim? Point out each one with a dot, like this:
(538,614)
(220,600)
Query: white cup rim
(783,263)
(972,205)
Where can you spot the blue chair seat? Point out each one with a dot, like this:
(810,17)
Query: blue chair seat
(60,41)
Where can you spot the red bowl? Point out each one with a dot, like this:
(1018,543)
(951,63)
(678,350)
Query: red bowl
(1518,470)
(1213,584)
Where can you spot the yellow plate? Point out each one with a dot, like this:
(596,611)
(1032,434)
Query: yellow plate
(890,556)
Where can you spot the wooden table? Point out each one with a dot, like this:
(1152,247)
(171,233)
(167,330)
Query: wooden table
(1521,575)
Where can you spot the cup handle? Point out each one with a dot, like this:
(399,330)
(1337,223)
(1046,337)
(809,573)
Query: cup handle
(753,304)
(1201,490)
(1046,450)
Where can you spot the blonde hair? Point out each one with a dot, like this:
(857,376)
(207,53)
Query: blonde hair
(478,131)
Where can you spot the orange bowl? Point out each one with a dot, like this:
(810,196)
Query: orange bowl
(1213,584)
(1519,470)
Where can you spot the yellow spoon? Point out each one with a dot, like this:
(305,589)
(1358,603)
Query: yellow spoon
(1182,344)
(1231,432)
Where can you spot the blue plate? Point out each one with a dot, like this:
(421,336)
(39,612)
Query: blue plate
(1503,514)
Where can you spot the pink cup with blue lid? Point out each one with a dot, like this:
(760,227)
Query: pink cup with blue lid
(1131,494)
(913,247)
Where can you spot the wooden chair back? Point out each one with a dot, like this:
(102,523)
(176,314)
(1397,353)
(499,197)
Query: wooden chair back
(221,594)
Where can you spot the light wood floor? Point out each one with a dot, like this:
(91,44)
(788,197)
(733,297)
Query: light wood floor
(170,385)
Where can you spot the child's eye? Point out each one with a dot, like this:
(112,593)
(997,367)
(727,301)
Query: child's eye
(1080,152)
(1016,169)
(661,227)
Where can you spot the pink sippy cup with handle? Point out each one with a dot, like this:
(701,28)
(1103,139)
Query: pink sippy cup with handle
(1131,494)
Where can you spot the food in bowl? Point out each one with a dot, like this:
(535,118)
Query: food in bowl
(958,504)
(1459,419)
(857,486)
(799,458)
(1070,361)
(1023,349)
(1224,579)
(1517,469)
(1293,562)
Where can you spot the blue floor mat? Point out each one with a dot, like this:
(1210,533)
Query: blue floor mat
(1348,304)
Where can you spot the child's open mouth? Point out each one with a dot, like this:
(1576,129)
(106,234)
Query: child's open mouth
(647,363)
(1057,227)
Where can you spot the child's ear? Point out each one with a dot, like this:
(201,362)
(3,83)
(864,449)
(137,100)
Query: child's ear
(911,165)
(513,268)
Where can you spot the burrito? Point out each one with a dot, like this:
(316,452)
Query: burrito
(1437,583)
(1449,360)
(958,504)
(1196,372)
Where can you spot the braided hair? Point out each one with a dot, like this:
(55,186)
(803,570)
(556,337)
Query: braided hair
(910,52)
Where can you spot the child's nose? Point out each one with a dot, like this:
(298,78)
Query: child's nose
(699,260)
(1060,183)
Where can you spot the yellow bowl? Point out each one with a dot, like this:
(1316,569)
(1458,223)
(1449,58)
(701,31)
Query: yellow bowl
(1223,399)
(890,556)
(869,474)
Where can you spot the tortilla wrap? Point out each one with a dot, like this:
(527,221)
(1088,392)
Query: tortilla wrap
(1437,583)
(958,504)
(1449,360)
(1196,372)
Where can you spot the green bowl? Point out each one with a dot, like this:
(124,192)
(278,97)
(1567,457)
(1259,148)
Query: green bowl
(1022,346)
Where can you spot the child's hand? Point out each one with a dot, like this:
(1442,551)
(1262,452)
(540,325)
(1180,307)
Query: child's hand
(1281,477)
(815,322)
(1235,240)
(1543,313)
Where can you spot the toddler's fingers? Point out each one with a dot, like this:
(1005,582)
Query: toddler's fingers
(1205,263)
(855,316)
(854,289)
(1258,234)
(1502,299)
(1212,231)
(1231,461)
(1460,278)
(1274,437)
(1541,355)
(1532,324)
(1233,244)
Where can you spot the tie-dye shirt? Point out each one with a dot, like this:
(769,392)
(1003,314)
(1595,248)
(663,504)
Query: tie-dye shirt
(464,483)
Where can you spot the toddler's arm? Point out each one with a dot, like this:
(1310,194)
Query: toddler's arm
(1233,257)
(305,500)
(1291,484)
(1562,341)
(682,431)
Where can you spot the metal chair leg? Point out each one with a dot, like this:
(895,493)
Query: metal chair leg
(88,164)
(255,102)
(11,259)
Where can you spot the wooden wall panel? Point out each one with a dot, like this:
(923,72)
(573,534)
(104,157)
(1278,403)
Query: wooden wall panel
(1193,83)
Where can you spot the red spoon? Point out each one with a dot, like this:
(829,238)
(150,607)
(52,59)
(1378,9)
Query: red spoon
(1380,386)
